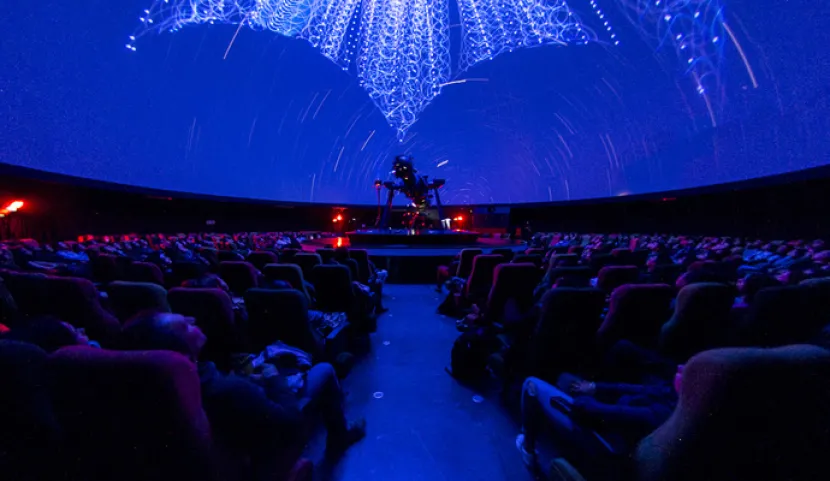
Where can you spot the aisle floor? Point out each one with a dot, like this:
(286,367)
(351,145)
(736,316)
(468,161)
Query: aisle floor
(422,424)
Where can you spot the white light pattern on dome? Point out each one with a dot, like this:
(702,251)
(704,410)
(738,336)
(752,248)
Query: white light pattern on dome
(401,47)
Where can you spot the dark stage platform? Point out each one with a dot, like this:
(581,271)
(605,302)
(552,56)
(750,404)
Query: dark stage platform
(415,264)
(409,238)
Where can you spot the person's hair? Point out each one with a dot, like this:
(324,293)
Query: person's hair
(48,333)
(145,332)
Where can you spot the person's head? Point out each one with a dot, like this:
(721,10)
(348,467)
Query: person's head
(149,331)
(49,333)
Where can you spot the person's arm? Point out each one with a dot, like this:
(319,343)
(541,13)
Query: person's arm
(648,417)
(619,389)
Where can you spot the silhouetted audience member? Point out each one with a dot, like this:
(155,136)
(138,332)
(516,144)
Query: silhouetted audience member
(591,423)
(258,414)
(50,334)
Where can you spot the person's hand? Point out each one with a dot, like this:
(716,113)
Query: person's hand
(583,387)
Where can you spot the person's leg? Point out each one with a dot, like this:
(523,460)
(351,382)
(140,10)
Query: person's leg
(323,393)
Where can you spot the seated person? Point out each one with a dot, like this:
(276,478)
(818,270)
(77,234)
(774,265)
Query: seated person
(260,414)
(49,334)
(590,420)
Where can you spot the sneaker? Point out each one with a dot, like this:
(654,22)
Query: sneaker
(355,431)
(529,458)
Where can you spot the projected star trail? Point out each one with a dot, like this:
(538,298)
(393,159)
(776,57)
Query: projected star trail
(401,48)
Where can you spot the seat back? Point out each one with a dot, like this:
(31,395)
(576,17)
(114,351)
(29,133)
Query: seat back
(29,292)
(612,277)
(75,300)
(326,254)
(511,281)
(290,273)
(104,268)
(287,254)
(307,262)
(465,262)
(565,336)
(701,321)
(130,298)
(131,415)
(569,276)
(240,276)
(30,433)
(362,258)
(213,311)
(279,315)
(354,269)
(229,256)
(563,260)
(260,259)
(145,272)
(506,252)
(333,285)
(783,315)
(181,272)
(537,251)
(534,259)
(715,433)
(636,313)
(481,277)
(666,273)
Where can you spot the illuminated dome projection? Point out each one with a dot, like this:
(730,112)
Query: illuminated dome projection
(401,48)
(509,101)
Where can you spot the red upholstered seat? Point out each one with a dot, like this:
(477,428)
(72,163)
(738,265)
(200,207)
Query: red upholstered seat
(75,300)
(240,276)
(132,416)
(636,313)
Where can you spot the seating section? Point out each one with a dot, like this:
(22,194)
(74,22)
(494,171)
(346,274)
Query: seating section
(664,357)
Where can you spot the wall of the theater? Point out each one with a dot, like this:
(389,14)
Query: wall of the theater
(60,209)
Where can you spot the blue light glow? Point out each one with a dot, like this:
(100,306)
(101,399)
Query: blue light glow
(402,51)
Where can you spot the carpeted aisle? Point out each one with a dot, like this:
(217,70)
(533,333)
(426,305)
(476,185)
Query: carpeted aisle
(422,424)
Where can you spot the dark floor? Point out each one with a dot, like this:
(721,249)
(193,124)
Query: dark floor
(425,426)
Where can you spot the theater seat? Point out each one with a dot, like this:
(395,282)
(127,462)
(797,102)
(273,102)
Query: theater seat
(636,313)
(290,273)
(783,315)
(30,444)
(280,315)
(701,321)
(362,258)
(104,268)
(29,292)
(563,260)
(534,259)
(75,300)
(132,416)
(512,287)
(130,298)
(465,262)
(506,252)
(326,254)
(213,311)
(732,423)
(307,262)
(333,286)
(145,272)
(260,259)
(240,276)
(612,277)
(565,335)
(481,277)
